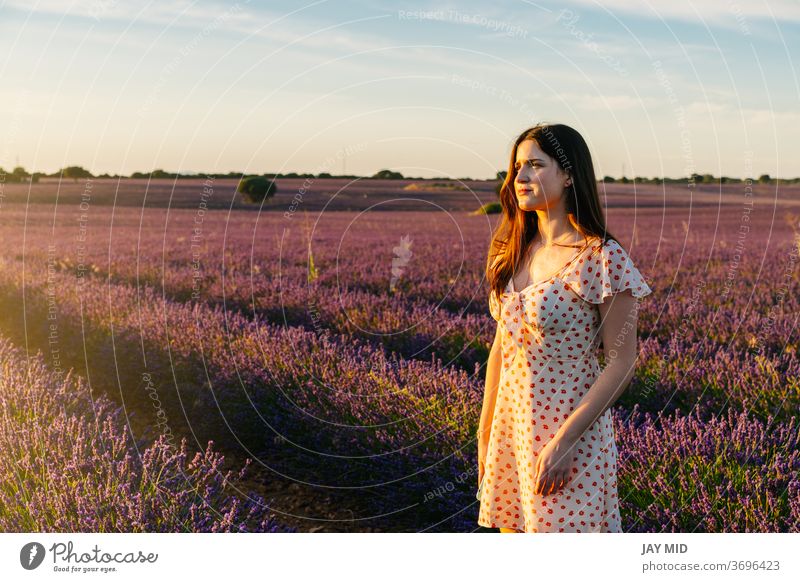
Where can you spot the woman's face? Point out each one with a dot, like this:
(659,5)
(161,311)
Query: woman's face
(540,182)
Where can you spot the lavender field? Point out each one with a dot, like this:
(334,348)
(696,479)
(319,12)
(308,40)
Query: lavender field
(320,367)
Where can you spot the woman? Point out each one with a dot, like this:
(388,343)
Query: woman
(547,460)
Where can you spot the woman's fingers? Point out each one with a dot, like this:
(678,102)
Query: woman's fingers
(544,483)
(547,484)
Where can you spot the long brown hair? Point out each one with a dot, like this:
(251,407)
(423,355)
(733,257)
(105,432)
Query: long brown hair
(517,228)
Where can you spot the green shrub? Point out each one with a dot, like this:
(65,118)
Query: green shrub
(256,189)
(489,208)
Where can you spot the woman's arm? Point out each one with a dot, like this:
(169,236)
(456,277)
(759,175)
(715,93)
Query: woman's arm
(619,314)
(618,330)
(490,391)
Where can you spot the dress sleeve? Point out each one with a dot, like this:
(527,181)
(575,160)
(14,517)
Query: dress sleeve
(604,271)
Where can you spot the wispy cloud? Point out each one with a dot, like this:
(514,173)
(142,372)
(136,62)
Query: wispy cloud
(237,17)
(605,102)
(751,115)
(191,14)
(293,33)
(711,11)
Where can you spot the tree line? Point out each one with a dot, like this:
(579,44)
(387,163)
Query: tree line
(19,174)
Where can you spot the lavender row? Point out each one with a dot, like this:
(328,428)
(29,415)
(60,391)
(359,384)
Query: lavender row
(69,464)
(730,473)
(707,378)
(711,281)
(320,393)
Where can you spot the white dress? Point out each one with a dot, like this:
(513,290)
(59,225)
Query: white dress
(549,361)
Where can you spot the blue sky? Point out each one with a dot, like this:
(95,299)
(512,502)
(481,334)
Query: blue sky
(424,88)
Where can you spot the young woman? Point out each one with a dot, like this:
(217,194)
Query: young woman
(560,286)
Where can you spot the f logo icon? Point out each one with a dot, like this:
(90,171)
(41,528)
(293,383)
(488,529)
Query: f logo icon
(31,555)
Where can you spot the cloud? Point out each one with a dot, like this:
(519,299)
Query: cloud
(235,17)
(703,107)
(710,11)
(609,102)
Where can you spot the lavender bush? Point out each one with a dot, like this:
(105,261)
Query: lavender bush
(69,464)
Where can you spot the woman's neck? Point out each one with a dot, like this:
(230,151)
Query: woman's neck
(555,228)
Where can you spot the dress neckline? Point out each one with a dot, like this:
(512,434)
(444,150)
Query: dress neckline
(553,275)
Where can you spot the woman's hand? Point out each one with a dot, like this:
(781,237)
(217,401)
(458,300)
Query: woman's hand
(553,466)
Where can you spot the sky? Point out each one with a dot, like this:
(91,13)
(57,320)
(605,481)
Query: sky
(429,89)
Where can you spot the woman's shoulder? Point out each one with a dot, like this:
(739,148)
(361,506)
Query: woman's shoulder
(601,249)
(604,269)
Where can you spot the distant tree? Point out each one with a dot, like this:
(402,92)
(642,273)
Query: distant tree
(18,174)
(501,175)
(708,179)
(256,189)
(764,179)
(388,175)
(324,175)
(624,180)
(75,172)
(608,180)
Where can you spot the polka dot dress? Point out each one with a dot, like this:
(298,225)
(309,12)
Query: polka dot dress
(549,343)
